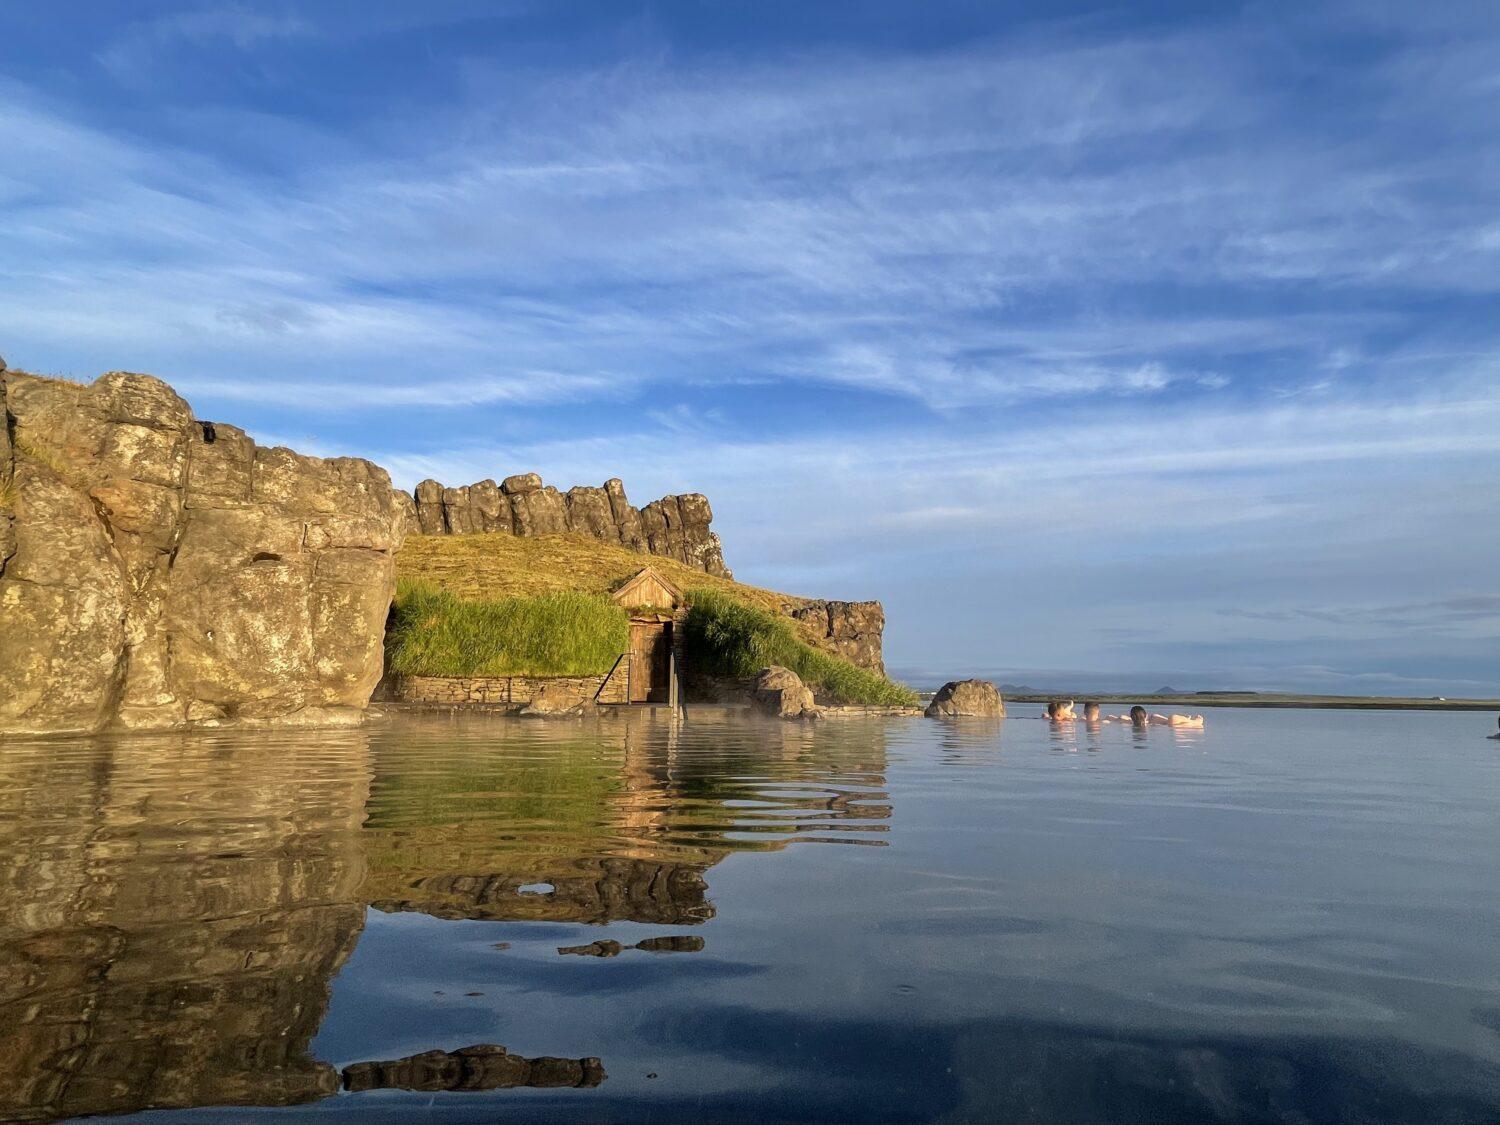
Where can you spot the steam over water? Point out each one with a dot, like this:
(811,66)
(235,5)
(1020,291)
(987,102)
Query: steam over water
(1290,916)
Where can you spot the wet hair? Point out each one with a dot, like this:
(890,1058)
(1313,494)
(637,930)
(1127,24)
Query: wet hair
(1138,715)
(1052,709)
(1091,710)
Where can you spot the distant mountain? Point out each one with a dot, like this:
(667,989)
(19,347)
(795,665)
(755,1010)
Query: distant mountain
(1166,691)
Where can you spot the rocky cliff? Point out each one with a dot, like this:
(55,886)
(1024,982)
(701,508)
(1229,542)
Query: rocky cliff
(157,571)
(674,527)
(852,630)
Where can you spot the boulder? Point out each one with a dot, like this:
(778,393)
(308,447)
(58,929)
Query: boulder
(520,484)
(429,501)
(157,571)
(967,698)
(558,699)
(491,507)
(780,692)
(589,513)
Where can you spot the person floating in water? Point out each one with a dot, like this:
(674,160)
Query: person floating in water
(1060,712)
(1140,719)
(1091,714)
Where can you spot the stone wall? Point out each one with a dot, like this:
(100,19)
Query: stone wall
(500,691)
(852,630)
(157,571)
(674,527)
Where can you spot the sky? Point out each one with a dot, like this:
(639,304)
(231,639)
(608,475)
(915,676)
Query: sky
(1130,344)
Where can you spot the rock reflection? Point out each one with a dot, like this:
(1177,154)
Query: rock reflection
(621,825)
(171,914)
(173,909)
(484,1066)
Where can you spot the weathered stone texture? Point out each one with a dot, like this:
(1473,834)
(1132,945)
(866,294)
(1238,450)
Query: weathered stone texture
(780,692)
(674,527)
(976,698)
(852,630)
(157,571)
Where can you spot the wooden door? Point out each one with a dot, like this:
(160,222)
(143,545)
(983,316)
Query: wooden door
(650,645)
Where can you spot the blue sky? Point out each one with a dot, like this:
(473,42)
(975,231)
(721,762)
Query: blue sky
(1153,342)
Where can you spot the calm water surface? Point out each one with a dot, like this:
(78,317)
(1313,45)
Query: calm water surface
(1292,916)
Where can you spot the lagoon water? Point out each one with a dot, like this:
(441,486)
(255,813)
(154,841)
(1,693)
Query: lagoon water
(1290,916)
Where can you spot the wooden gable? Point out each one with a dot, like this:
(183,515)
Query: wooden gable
(648,588)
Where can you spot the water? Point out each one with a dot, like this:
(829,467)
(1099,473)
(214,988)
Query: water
(1291,916)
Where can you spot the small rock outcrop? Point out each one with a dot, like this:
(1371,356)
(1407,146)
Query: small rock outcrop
(966,698)
(852,630)
(780,692)
(158,571)
(674,527)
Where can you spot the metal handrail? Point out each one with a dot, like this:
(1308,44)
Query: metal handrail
(613,668)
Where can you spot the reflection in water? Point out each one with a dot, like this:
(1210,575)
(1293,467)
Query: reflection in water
(173,909)
(171,913)
(483,1066)
(1285,917)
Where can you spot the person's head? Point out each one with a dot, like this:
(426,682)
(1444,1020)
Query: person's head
(1053,708)
(1138,715)
(1091,712)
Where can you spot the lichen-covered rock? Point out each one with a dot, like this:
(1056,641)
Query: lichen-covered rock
(780,692)
(160,571)
(967,698)
(852,630)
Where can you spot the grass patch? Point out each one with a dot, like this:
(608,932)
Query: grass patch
(497,565)
(726,637)
(433,632)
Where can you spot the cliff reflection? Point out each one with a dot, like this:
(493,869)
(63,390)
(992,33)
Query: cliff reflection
(173,909)
(618,826)
(171,913)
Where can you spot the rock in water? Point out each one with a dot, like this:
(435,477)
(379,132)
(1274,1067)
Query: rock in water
(966,697)
(780,692)
(157,571)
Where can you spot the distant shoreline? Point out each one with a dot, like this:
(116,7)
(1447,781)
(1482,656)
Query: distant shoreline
(1272,699)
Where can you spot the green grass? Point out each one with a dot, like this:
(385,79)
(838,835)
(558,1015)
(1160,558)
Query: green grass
(436,633)
(726,637)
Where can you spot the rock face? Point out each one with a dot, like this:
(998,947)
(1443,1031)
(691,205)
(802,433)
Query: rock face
(967,698)
(157,571)
(852,630)
(674,527)
(780,692)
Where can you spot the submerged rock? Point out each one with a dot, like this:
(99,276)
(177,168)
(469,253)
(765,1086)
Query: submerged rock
(966,697)
(780,692)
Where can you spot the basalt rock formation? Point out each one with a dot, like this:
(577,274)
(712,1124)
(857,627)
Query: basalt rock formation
(157,571)
(674,527)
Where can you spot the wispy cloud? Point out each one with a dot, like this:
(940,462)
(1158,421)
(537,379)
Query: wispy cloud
(1069,308)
